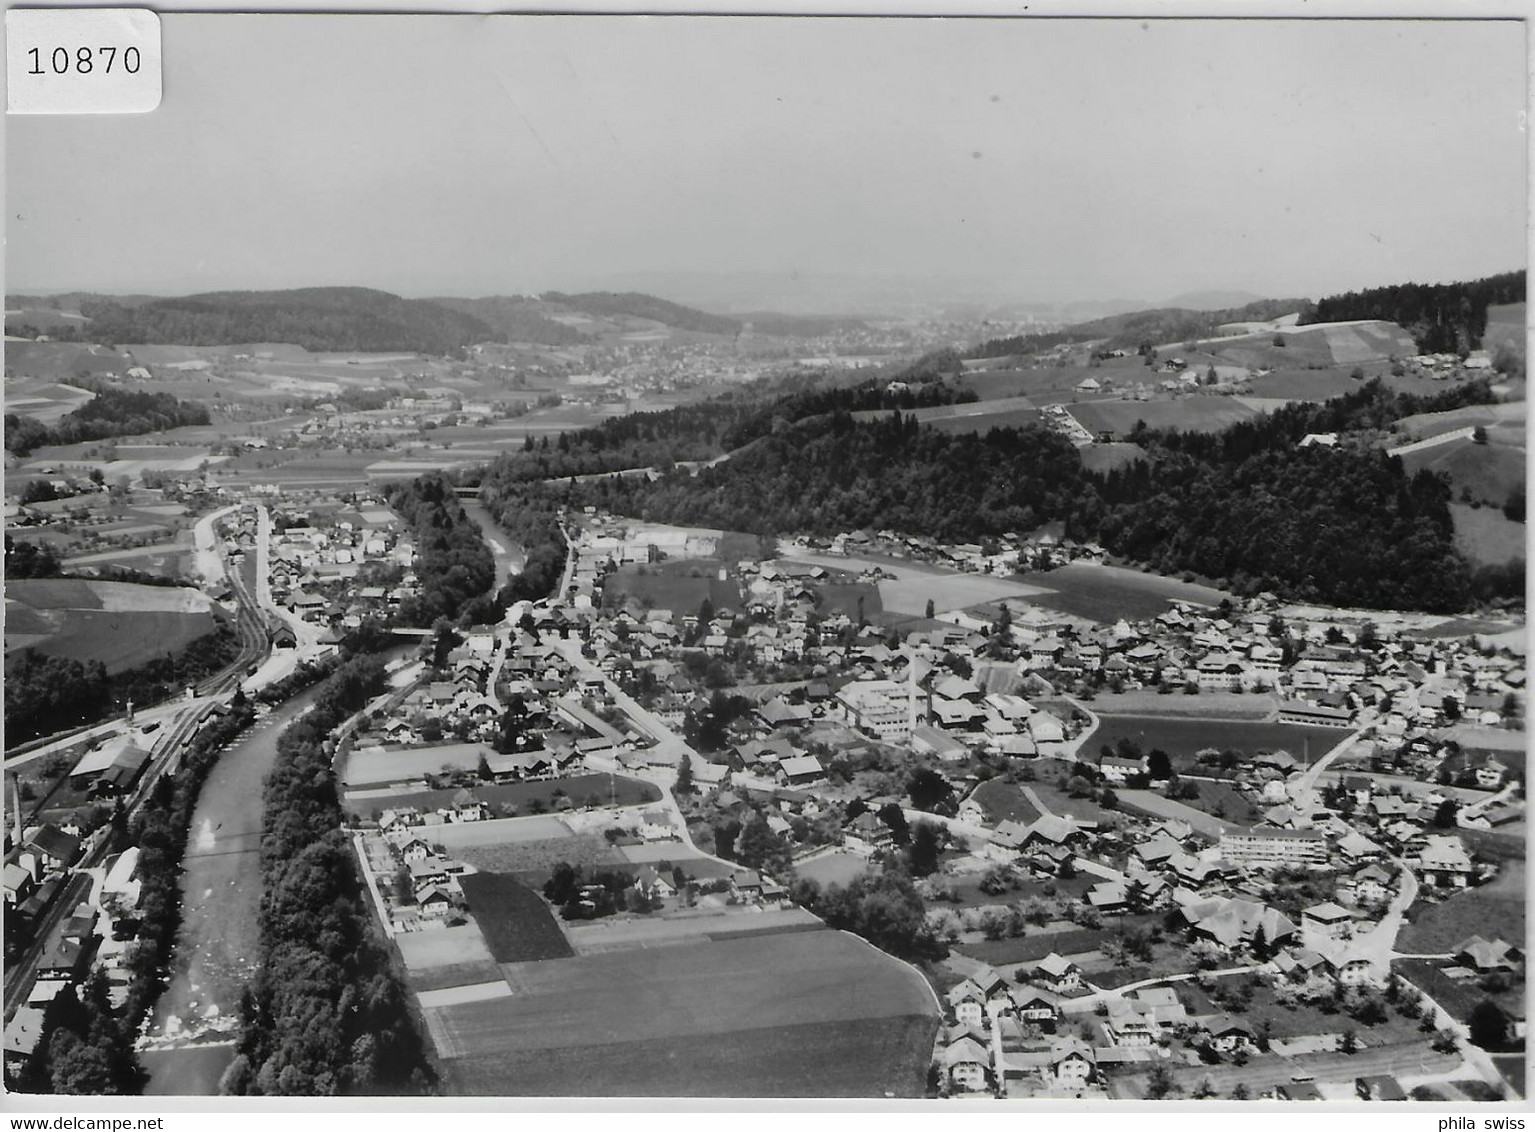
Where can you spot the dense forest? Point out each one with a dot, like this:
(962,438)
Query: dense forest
(1130,331)
(517,319)
(610,304)
(316,318)
(112,412)
(1247,506)
(326,1014)
(453,563)
(1442,318)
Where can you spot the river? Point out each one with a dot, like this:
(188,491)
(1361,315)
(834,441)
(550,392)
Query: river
(509,555)
(216,950)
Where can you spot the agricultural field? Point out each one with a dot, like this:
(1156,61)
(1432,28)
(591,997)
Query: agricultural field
(763,1015)
(1486,536)
(1108,593)
(118,623)
(582,790)
(1304,384)
(680,586)
(1183,738)
(1192,414)
(849,598)
(912,589)
(1509,414)
(517,924)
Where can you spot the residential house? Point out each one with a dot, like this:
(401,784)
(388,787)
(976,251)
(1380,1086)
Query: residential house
(1057,973)
(1379,1087)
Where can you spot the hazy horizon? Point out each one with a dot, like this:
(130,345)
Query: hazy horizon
(1003,162)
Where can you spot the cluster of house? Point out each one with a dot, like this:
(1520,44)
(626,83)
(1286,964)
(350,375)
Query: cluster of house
(315,557)
(1008,553)
(432,879)
(95,936)
(1004,1039)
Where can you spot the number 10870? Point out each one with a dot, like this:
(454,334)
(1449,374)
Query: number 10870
(83,60)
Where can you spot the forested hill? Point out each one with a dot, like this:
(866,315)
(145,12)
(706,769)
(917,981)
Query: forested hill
(1132,330)
(317,318)
(1247,507)
(515,318)
(608,304)
(1442,318)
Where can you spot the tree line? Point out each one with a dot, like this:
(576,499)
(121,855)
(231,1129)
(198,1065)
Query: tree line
(111,412)
(453,563)
(1442,318)
(326,1014)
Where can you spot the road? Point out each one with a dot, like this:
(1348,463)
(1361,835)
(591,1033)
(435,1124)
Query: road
(1302,790)
(1432,441)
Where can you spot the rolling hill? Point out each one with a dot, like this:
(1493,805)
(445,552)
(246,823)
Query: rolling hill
(515,318)
(633,304)
(317,318)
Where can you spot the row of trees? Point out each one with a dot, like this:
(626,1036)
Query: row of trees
(112,412)
(326,1014)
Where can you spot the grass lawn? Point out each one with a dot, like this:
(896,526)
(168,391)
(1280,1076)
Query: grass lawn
(1296,1020)
(982,422)
(843,597)
(536,859)
(1107,593)
(1493,911)
(454,975)
(1004,801)
(1226,803)
(604,1021)
(444,947)
(1102,458)
(1183,738)
(586,789)
(838,867)
(1006,954)
(860,1058)
(517,924)
(1488,471)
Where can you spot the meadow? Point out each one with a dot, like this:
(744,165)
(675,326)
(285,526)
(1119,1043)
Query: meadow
(1486,536)
(680,586)
(727,1003)
(1192,414)
(1108,593)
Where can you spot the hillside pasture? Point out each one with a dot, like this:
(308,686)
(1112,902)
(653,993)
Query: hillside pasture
(1494,911)
(608,1021)
(1194,413)
(1488,472)
(118,623)
(1485,536)
(1107,593)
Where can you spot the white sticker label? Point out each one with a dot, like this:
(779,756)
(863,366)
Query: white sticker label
(82,61)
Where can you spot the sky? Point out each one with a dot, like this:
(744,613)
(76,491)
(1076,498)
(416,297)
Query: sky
(1026,160)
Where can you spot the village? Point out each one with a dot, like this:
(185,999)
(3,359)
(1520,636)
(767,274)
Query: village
(1120,919)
